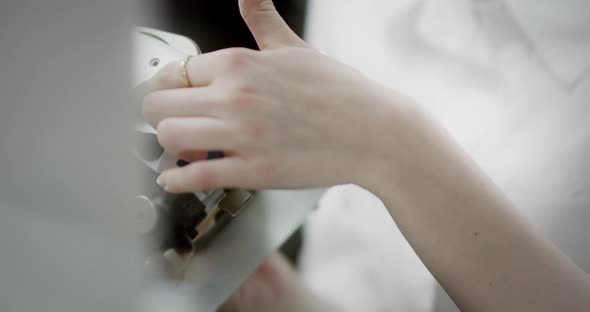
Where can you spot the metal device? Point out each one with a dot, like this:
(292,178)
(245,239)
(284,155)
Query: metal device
(175,226)
(210,241)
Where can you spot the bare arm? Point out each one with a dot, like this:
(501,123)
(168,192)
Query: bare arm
(290,117)
(482,250)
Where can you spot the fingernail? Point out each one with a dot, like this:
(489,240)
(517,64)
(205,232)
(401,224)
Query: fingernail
(182,163)
(161,182)
(215,155)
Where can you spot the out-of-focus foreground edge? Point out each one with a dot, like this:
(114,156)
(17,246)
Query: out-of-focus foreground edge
(267,222)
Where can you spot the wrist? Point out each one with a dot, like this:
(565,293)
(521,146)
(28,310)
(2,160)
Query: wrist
(399,130)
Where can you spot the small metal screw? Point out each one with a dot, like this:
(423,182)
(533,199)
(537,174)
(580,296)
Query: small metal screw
(154,62)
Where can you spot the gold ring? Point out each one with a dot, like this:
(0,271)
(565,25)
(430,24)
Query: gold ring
(183,72)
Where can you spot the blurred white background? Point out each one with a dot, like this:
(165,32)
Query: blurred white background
(509,79)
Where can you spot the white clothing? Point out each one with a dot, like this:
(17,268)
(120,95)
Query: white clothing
(509,79)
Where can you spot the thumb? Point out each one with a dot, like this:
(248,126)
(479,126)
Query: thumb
(267,26)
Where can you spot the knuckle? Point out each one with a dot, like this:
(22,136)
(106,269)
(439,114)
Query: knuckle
(256,132)
(245,88)
(265,6)
(168,130)
(242,96)
(252,7)
(238,58)
(167,77)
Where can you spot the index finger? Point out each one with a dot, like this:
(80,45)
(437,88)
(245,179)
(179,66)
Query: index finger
(200,72)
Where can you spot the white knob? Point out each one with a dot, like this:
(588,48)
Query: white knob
(146,214)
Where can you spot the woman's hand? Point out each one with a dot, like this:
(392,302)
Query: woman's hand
(285,117)
(291,117)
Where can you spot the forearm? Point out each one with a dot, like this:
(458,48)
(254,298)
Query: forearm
(483,252)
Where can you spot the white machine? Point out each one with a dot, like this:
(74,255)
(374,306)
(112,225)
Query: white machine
(208,242)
